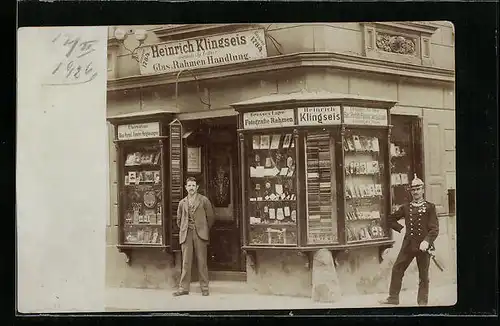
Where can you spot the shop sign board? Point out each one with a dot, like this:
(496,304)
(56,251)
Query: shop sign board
(200,52)
(268,119)
(139,130)
(193,159)
(317,116)
(365,116)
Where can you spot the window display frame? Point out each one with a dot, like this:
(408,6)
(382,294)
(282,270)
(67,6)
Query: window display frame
(334,137)
(246,137)
(337,129)
(384,179)
(158,140)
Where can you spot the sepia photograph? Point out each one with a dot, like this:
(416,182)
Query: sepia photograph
(261,166)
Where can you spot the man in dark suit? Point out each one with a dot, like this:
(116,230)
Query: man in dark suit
(422,229)
(194,218)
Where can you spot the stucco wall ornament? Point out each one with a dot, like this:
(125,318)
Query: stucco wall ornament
(395,44)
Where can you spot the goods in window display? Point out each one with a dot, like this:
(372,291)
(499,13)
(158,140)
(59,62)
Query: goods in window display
(363,188)
(321,211)
(400,172)
(275,142)
(142,200)
(132,177)
(157,178)
(272,190)
(342,166)
(287,141)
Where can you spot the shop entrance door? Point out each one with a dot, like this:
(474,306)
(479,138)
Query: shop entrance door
(224,251)
(407,157)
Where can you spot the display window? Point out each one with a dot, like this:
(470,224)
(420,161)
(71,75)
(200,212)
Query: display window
(321,188)
(405,157)
(142,195)
(143,203)
(323,180)
(272,189)
(365,184)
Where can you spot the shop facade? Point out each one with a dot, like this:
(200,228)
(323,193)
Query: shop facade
(303,136)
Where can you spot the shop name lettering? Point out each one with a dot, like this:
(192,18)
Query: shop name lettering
(200,44)
(196,48)
(76,67)
(176,64)
(367,116)
(267,121)
(319,115)
(137,131)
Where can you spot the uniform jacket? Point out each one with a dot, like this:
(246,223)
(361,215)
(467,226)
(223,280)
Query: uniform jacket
(203,217)
(421,224)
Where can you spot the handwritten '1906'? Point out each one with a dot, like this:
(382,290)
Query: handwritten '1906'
(76,67)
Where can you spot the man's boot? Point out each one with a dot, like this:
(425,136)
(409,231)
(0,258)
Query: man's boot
(390,300)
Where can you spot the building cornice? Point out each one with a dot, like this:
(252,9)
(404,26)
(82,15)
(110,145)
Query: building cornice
(426,28)
(177,31)
(349,63)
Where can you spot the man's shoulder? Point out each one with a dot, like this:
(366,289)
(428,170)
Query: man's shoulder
(203,197)
(404,206)
(428,203)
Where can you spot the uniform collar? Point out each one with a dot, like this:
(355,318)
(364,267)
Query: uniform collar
(417,203)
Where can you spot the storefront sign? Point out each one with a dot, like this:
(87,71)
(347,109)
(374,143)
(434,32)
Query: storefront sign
(139,130)
(193,159)
(203,52)
(268,119)
(323,115)
(365,116)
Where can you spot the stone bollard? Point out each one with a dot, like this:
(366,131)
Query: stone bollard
(325,282)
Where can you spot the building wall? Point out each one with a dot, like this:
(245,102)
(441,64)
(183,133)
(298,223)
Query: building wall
(344,38)
(359,270)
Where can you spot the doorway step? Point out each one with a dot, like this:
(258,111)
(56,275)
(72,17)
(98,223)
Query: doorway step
(225,287)
(227,276)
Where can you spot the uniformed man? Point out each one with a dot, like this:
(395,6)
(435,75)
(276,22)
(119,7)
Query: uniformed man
(422,228)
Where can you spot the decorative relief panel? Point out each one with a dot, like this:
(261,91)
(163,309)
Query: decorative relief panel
(396,44)
(399,42)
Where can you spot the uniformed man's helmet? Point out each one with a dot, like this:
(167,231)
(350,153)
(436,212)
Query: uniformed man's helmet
(416,182)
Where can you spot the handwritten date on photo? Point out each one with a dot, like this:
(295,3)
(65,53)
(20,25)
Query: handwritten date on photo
(76,66)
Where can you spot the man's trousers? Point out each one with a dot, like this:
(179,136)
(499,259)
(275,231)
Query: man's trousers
(404,259)
(194,242)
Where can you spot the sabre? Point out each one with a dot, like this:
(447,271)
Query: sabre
(431,252)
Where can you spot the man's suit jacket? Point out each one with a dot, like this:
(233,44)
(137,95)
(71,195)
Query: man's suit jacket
(203,217)
(422,225)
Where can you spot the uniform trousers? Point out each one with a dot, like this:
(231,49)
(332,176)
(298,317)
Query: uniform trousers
(405,257)
(194,242)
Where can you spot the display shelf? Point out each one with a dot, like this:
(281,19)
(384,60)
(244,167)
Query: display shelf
(273,224)
(271,166)
(142,199)
(141,142)
(320,180)
(365,198)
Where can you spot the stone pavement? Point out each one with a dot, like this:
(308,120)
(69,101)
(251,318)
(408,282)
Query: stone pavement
(128,299)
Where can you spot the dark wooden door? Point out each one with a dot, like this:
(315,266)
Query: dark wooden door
(224,251)
(406,136)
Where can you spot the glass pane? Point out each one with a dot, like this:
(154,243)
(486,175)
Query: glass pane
(272,201)
(321,202)
(142,200)
(401,161)
(364,186)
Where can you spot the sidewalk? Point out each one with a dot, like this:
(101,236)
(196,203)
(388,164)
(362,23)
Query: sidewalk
(127,299)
